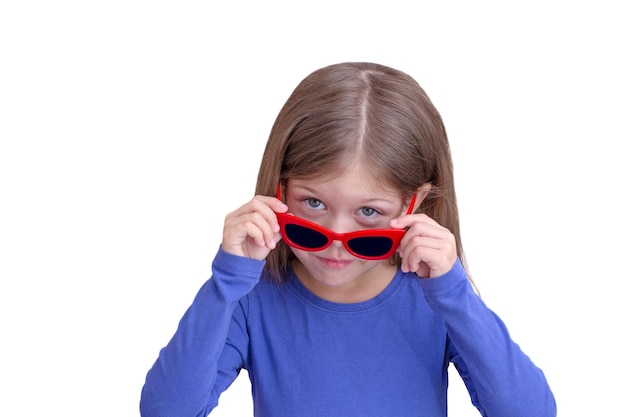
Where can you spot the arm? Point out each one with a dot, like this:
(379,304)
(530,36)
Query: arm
(184,380)
(501,379)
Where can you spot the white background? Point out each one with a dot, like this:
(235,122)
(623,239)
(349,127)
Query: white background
(130,128)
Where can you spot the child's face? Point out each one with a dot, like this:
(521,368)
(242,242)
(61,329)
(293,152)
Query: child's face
(345,203)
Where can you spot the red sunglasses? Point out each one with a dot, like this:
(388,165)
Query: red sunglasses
(372,244)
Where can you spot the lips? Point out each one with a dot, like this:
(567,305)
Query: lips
(335,263)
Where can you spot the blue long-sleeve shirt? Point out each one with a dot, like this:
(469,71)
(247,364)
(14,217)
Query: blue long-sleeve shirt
(385,357)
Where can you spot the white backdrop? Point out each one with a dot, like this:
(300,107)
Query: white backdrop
(130,128)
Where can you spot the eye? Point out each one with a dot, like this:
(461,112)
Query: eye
(314,203)
(369,212)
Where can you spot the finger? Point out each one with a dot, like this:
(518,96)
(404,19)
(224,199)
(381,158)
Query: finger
(439,255)
(253,226)
(418,267)
(426,231)
(410,219)
(263,205)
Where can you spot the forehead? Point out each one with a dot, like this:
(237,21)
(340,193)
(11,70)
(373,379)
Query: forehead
(355,180)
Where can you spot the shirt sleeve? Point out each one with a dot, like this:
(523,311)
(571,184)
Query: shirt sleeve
(191,370)
(500,377)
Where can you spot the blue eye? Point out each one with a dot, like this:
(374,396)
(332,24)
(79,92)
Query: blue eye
(368,211)
(314,203)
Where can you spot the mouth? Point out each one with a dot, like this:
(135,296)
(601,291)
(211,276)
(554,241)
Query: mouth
(335,263)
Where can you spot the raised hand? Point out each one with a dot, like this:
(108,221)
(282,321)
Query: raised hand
(252,230)
(427,248)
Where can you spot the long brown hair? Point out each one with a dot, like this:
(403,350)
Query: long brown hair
(368,111)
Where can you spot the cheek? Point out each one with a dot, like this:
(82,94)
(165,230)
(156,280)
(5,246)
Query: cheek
(308,260)
(301,255)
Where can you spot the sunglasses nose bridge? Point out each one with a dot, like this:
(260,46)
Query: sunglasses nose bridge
(336,237)
(338,243)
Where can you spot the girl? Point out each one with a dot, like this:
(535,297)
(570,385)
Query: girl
(341,287)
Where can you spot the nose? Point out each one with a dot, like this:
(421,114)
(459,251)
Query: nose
(339,224)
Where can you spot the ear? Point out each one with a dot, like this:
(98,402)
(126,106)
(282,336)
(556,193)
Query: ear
(421,193)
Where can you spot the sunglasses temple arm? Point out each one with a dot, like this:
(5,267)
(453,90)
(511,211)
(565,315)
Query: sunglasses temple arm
(411,204)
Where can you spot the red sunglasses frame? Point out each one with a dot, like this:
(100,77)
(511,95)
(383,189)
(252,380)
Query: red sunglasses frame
(395,235)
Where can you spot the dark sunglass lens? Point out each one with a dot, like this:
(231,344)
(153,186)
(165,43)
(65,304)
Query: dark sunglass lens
(371,245)
(305,237)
